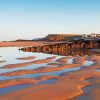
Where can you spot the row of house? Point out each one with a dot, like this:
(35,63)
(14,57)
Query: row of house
(93,35)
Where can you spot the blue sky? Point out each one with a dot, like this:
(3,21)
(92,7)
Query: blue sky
(35,18)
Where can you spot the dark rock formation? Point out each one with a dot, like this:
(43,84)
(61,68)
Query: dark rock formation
(75,47)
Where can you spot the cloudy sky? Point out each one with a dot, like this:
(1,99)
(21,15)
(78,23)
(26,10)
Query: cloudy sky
(27,19)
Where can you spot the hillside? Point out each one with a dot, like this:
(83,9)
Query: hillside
(62,37)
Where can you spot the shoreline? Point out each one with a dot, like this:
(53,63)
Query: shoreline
(75,82)
(21,44)
(67,86)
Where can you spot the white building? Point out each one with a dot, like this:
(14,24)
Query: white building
(84,35)
(93,35)
(98,36)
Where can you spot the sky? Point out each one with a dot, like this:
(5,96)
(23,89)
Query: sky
(28,19)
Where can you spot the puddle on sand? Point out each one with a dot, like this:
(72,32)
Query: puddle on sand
(88,63)
(70,61)
(34,66)
(9,54)
(22,86)
(98,70)
(12,88)
(50,81)
(56,73)
(87,90)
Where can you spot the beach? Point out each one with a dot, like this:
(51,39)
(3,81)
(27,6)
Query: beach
(56,78)
(49,49)
(20,44)
(49,77)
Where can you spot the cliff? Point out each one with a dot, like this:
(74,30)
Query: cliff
(62,37)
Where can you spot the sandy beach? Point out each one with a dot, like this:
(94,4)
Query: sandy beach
(49,49)
(27,58)
(29,63)
(21,44)
(71,85)
(68,86)
(69,77)
(40,70)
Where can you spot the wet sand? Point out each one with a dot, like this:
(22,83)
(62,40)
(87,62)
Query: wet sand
(21,44)
(62,60)
(67,87)
(40,70)
(13,82)
(80,60)
(92,91)
(94,58)
(2,61)
(47,60)
(27,58)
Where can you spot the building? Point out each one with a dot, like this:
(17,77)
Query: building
(98,36)
(84,35)
(94,35)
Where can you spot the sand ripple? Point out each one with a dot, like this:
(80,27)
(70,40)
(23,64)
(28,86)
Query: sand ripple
(27,58)
(47,60)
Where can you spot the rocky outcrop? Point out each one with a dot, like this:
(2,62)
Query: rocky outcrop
(65,48)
